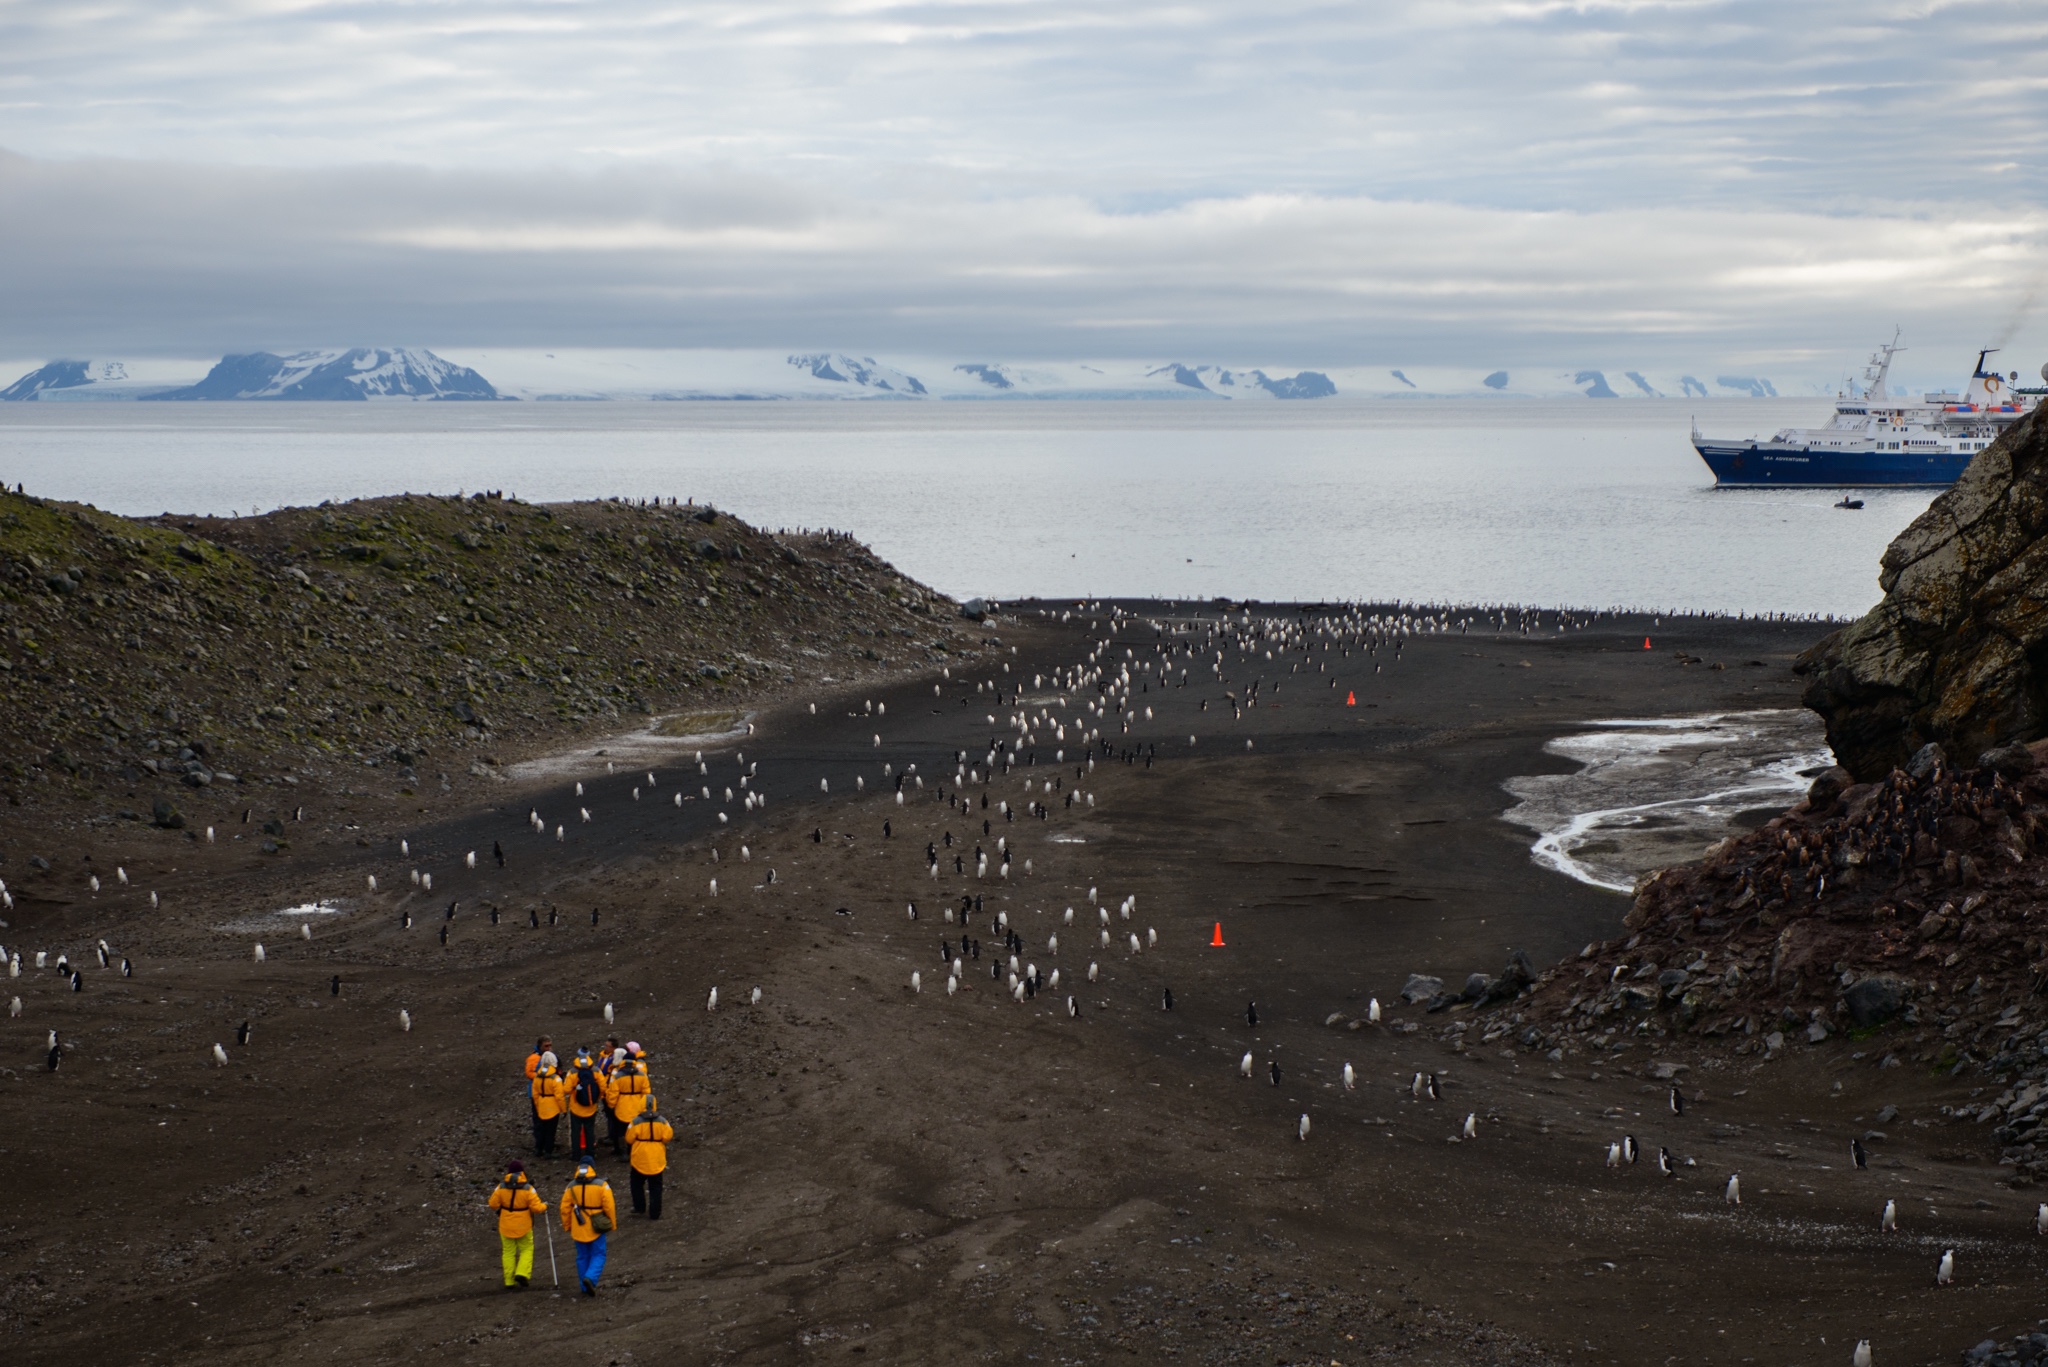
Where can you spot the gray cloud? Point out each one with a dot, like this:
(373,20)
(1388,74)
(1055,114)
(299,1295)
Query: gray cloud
(107,256)
(1312,183)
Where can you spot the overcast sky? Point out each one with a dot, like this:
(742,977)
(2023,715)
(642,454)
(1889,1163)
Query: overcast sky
(1768,185)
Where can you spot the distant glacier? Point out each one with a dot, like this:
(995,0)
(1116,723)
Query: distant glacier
(415,374)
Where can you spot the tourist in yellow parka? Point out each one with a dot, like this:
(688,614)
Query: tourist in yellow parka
(649,1136)
(626,1094)
(589,1214)
(516,1202)
(550,1098)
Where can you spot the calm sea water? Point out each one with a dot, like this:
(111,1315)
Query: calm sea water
(1580,503)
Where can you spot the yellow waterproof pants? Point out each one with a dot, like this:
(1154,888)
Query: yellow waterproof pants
(518,1255)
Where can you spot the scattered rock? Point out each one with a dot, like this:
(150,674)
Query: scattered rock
(1875,1000)
(1420,987)
(165,816)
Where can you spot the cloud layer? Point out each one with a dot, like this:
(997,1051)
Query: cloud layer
(1306,182)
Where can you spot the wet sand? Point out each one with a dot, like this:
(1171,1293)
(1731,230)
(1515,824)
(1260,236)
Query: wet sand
(864,1173)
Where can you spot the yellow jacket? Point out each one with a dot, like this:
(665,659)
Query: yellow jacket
(570,1080)
(550,1094)
(515,1200)
(649,1137)
(627,1093)
(584,1197)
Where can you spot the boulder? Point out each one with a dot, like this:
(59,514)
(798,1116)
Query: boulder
(1828,785)
(974,610)
(1927,761)
(2014,761)
(1476,985)
(1956,652)
(1420,987)
(165,816)
(1875,1000)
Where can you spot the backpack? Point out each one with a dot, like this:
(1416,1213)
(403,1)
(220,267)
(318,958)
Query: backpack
(586,1087)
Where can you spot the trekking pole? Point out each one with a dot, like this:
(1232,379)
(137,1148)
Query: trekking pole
(551,1255)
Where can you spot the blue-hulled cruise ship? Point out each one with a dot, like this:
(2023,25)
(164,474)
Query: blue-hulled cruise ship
(1878,438)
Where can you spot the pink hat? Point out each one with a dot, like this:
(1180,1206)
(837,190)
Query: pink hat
(632,1046)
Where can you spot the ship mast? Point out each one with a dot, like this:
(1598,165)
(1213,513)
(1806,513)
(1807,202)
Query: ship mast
(1880,366)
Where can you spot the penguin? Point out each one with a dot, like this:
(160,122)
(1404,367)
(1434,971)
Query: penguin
(711,1002)
(334,986)
(2041,1218)
(1244,1065)
(1614,1155)
(1273,1069)
(1732,1193)
(56,1056)
(1429,1086)
(1677,1100)
(1861,1357)
(220,1057)
(1664,1164)
(444,937)
(1350,1078)
(127,969)
(405,1020)
(77,981)
(405,920)
(1415,1087)
(103,953)
(533,918)
(1372,1011)
(242,1033)
(1166,999)
(1251,1013)
(1856,1152)
(1629,1149)
(1471,1130)
(1945,1270)
(498,853)
(1073,1011)
(1888,1222)
(1301,1130)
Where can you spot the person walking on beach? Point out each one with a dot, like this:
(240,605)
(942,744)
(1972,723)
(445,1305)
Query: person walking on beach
(516,1202)
(627,1095)
(586,1094)
(549,1100)
(608,1060)
(589,1214)
(649,1136)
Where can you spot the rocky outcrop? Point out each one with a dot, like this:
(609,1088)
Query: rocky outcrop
(1957,652)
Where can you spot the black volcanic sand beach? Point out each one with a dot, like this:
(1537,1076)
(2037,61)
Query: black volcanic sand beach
(866,1174)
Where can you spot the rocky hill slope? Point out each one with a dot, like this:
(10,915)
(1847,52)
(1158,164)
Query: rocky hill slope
(1904,913)
(430,637)
(1957,651)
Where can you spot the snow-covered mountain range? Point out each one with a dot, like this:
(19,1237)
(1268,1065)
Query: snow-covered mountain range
(353,375)
(391,373)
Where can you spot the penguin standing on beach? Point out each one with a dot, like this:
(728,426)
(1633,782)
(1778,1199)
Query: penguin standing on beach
(1665,1168)
(1251,1014)
(1429,1087)
(1677,1100)
(1629,1150)
(1856,1151)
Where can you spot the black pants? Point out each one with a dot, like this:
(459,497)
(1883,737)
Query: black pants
(544,1136)
(647,1194)
(583,1134)
(615,1131)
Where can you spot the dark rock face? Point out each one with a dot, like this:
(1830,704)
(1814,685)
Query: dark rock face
(1875,1000)
(1957,652)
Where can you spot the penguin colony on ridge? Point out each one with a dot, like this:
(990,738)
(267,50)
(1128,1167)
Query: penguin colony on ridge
(1379,632)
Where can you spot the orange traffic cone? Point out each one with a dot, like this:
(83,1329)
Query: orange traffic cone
(1216,940)
(1646,643)
(1350,699)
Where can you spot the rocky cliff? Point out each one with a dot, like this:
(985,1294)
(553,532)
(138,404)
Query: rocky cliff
(1957,652)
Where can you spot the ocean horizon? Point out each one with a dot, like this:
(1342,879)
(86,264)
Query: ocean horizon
(1546,502)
